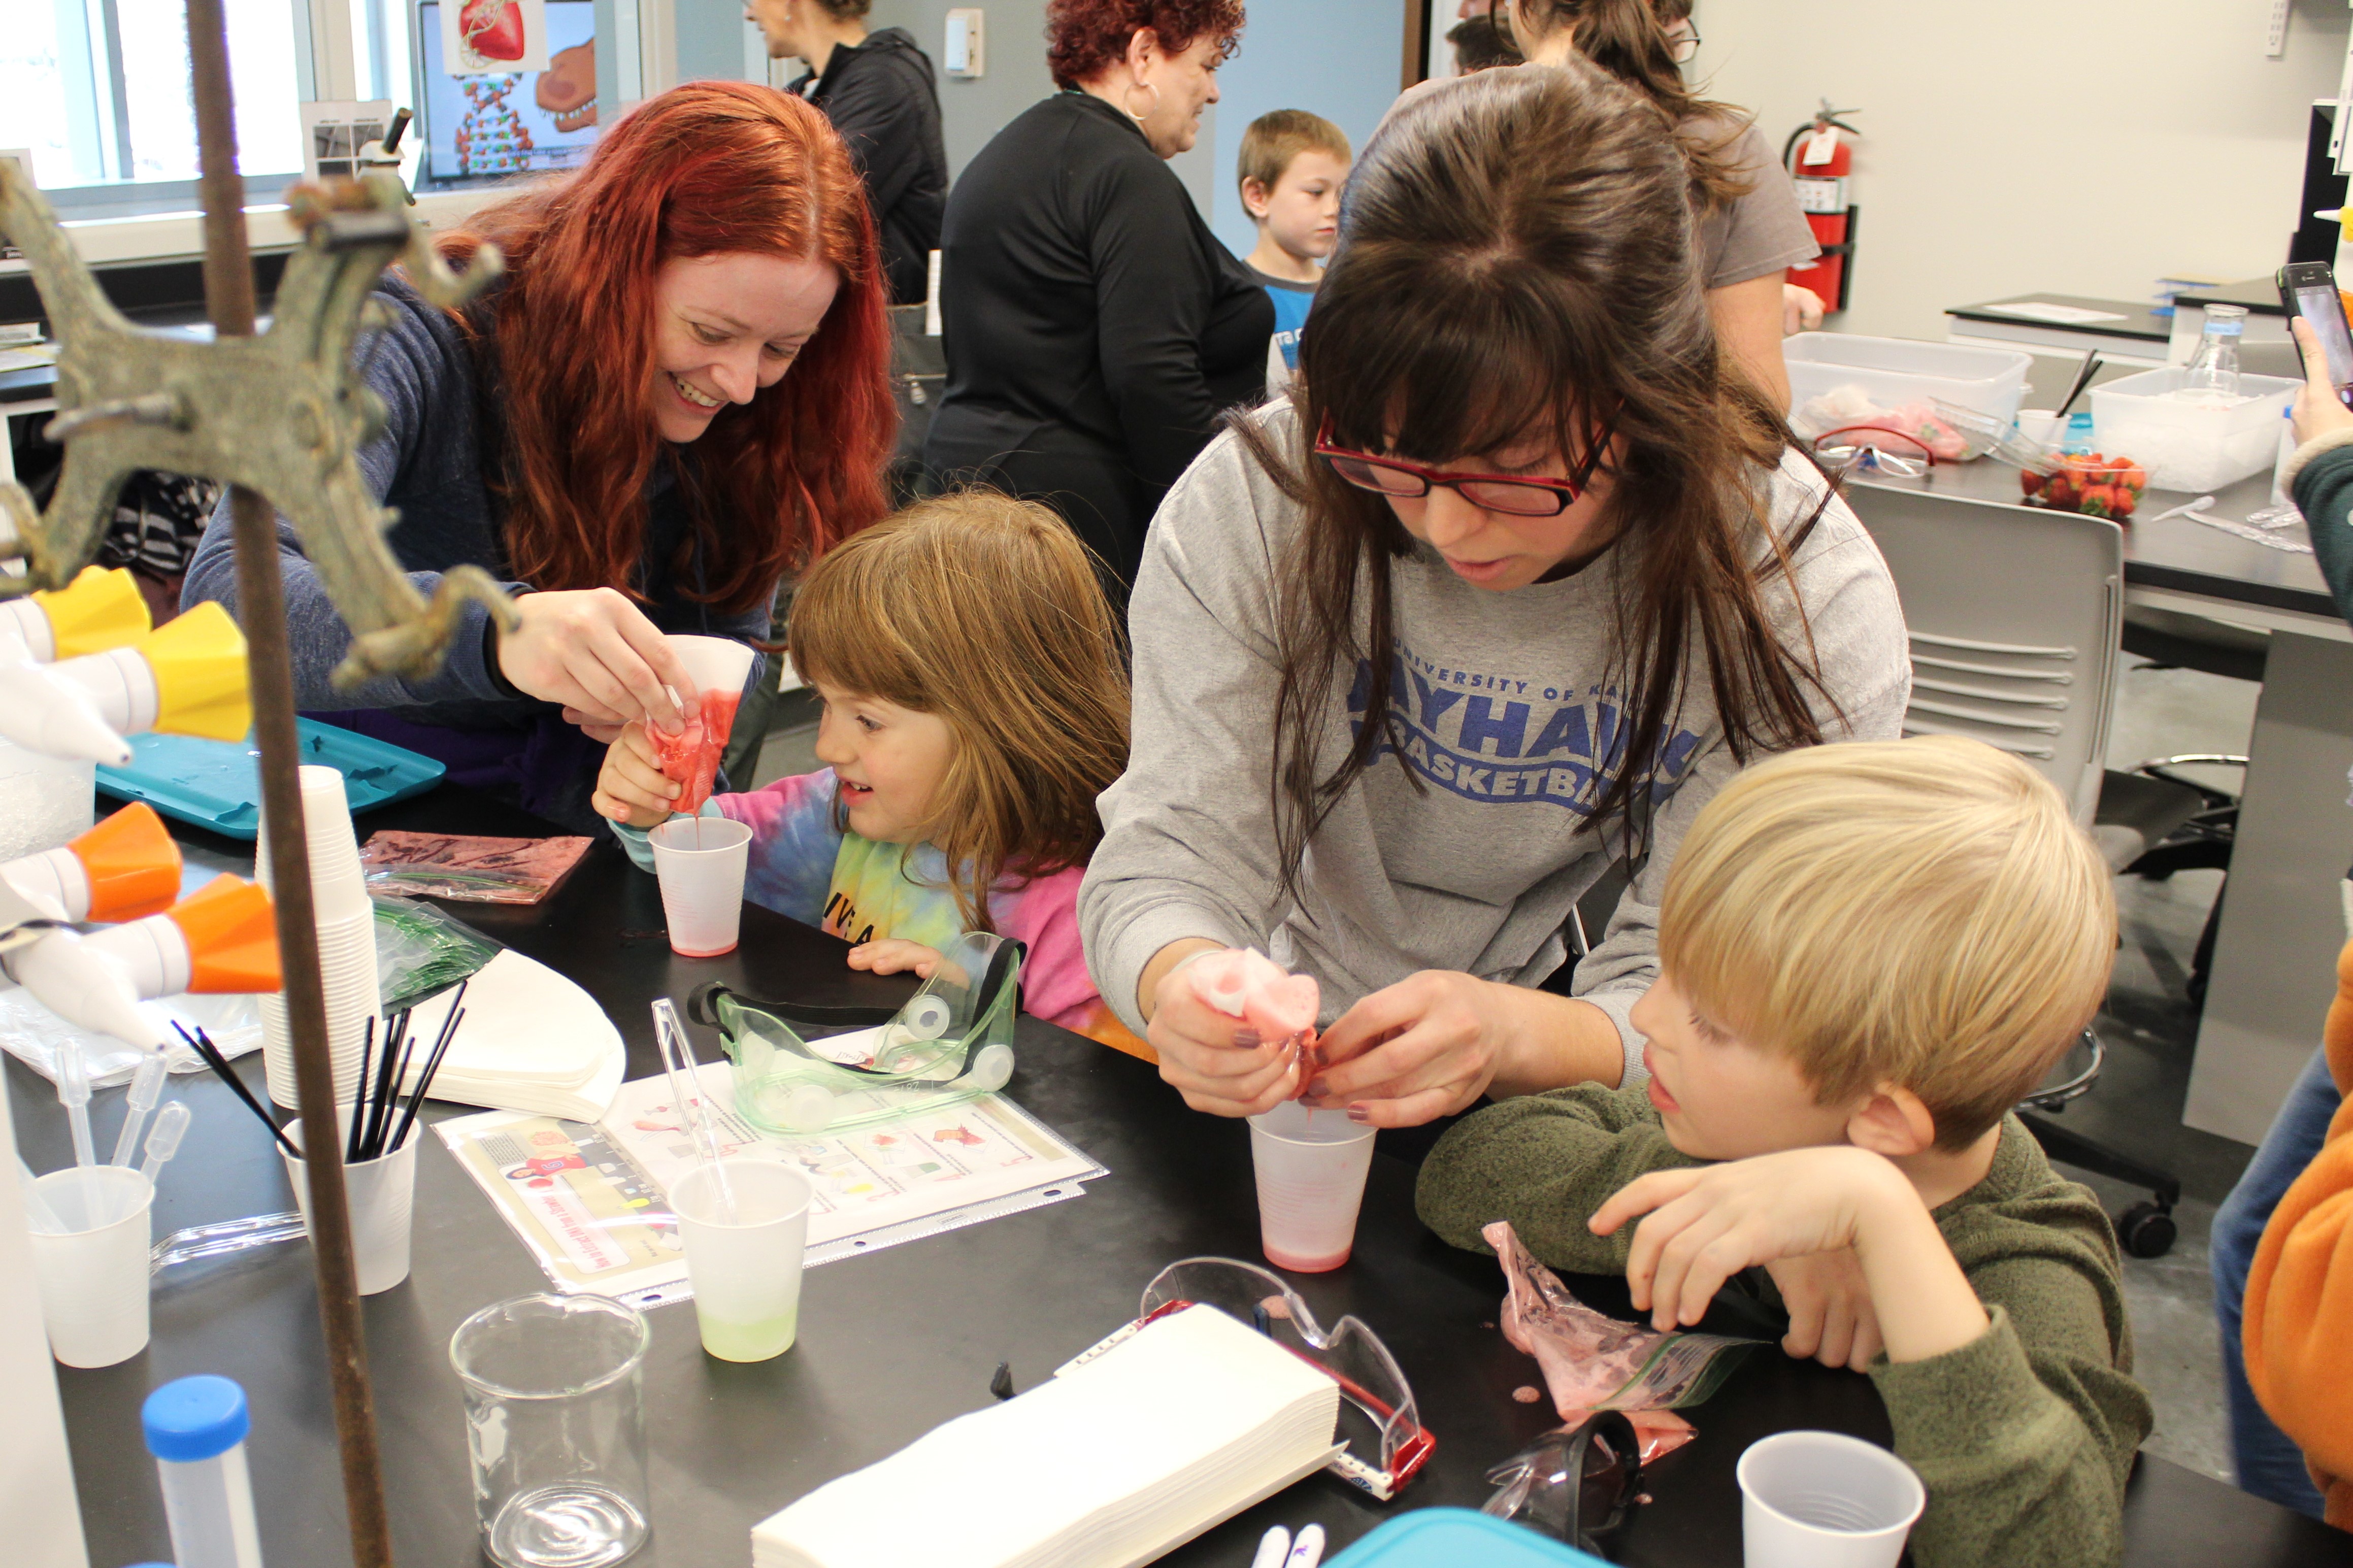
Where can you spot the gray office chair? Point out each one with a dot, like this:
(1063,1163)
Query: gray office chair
(2016,618)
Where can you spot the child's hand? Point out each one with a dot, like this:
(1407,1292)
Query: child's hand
(630,787)
(890,955)
(1708,1223)
(1830,1315)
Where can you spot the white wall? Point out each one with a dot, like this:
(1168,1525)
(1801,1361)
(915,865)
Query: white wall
(2081,146)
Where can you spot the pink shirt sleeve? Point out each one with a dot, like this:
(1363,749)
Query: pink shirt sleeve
(1055,984)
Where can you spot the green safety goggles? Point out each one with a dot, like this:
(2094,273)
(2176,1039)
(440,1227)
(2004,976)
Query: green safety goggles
(802,1068)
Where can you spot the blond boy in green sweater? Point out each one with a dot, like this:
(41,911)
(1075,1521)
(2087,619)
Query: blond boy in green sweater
(1869,953)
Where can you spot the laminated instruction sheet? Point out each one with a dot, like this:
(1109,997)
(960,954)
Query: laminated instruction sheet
(587,1199)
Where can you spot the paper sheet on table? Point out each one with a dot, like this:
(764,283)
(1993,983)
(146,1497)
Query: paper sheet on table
(2059,315)
(588,1200)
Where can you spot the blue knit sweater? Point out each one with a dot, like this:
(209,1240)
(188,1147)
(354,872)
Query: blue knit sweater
(432,462)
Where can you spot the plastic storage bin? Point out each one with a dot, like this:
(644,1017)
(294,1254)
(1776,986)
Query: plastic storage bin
(2184,446)
(1454,1537)
(1897,370)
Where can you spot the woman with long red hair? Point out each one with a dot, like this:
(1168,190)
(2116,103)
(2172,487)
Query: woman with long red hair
(677,396)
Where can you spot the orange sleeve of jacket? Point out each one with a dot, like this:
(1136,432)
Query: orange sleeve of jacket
(2299,1307)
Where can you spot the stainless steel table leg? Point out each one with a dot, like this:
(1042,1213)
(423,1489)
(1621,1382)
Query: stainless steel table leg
(2283,915)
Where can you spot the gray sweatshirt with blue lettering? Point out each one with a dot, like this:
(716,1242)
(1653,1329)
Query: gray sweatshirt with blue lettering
(1501,708)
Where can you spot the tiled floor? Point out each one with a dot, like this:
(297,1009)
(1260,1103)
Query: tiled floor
(2149,1030)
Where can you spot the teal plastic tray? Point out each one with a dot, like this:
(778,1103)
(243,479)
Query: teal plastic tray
(217,784)
(1454,1537)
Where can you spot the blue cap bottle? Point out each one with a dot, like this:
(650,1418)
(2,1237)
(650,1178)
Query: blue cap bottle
(195,1428)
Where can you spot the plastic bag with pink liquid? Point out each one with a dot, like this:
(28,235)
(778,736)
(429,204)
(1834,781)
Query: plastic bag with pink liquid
(1592,1361)
(719,668)
(1244,984)
(692,756)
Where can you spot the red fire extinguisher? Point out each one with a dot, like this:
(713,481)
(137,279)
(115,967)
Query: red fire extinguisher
(1819,156)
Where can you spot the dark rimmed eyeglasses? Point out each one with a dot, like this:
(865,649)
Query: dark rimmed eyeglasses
(1683,48)
(1399,480)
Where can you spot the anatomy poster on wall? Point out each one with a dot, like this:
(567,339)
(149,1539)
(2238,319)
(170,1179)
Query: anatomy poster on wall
(482,35)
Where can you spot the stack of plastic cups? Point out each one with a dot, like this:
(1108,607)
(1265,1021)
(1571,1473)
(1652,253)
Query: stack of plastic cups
(346,940)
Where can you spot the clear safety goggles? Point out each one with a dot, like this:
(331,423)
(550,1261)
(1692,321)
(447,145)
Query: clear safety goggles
(1873,449)
(1386,1443)
(802,1068)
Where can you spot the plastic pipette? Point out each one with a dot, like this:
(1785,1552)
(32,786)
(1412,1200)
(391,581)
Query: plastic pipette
(147,1089)
(73,1093)
(37,1206)
(685,1093)
(171,1125)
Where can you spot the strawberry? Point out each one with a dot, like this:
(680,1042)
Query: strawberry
(2098,500)
(493,28)
(2126,500)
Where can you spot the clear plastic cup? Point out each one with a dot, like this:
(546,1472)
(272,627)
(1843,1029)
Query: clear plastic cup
(746,1269)
(555,1426)
(1311,1168)
(93,1277)
(378,1195)
(701,862)
(1822,1499)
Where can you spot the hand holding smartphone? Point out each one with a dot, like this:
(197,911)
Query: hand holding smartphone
(2326,346)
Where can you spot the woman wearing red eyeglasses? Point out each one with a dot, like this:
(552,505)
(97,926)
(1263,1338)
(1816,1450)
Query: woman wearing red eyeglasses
(1526,573)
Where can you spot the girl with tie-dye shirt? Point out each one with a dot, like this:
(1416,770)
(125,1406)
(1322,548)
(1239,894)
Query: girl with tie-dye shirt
(975,704)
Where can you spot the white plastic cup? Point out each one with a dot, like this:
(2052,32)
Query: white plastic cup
(1311,1168)
(2040,426)
(701,862)
(93,1278)
(746,1272)
(1822,1499)
(338,885)
(347,971)
(378,1195)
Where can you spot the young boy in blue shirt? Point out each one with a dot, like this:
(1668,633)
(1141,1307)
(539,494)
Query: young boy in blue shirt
(1868,955)
(1292,167)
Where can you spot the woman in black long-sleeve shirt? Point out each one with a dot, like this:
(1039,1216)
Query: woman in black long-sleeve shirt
(1095,326)
(878,91)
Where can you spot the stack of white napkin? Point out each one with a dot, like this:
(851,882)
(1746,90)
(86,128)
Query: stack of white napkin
(1112,1463)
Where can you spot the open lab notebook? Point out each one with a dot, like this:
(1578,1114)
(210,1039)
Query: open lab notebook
(1110,1463)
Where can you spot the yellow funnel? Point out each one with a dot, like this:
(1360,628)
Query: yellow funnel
(97,610)
(199,665)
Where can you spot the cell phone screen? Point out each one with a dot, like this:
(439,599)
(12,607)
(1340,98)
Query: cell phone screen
(2322,307)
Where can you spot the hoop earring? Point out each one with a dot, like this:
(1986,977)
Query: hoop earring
(1152,88)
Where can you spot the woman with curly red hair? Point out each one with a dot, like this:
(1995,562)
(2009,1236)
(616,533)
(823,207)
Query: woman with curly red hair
(1095,327)
(678,394)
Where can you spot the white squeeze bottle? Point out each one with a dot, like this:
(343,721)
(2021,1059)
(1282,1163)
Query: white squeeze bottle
(195,1428)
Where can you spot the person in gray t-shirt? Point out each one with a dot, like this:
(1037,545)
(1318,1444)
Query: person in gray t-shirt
(1520,578)
(1751,229)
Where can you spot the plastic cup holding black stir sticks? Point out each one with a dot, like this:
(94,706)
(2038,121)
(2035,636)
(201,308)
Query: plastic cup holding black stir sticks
(379,1143)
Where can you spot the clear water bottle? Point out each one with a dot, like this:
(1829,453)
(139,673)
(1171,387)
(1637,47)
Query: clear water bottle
(2213,374)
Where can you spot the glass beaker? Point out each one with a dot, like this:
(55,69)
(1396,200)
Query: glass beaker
(555,1426)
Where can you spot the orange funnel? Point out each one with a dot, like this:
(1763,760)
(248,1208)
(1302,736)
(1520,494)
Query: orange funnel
(232,931)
